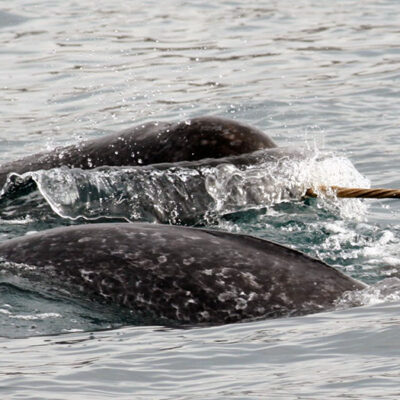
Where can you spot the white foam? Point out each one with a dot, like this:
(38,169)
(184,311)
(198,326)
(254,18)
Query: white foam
(194,191)
(387,290)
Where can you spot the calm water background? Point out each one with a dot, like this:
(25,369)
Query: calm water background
(321,72)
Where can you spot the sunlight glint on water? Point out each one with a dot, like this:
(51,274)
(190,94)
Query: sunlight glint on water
(325,72)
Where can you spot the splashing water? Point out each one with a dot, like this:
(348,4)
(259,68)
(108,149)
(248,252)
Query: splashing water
(193,192)
(387,290)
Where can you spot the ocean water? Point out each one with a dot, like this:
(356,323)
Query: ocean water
(317,75)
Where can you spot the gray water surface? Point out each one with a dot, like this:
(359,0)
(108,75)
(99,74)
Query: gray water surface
(320,73)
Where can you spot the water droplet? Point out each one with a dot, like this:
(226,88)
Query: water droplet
(162,259)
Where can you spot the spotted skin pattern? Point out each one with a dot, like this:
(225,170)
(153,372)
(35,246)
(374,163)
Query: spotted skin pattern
(152,143)
(177,273)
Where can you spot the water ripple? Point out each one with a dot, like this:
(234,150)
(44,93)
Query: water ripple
(304,71)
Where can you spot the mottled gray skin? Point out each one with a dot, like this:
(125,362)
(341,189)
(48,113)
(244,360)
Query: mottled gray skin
(182,274)
(153,143)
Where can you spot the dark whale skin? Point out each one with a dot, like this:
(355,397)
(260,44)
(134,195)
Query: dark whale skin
(182,274)
(152,143)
